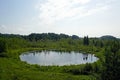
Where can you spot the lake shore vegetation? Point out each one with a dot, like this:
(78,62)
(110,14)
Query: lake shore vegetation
(11,46)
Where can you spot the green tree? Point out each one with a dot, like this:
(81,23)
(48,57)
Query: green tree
(112,62)
(3,47)
(86,40)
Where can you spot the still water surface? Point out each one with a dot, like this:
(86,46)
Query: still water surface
(57,58)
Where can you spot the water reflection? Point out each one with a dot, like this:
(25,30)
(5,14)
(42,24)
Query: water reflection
(85,56)
(57,58)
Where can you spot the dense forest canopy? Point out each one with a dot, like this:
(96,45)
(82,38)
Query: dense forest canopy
(51,36)
(42,36)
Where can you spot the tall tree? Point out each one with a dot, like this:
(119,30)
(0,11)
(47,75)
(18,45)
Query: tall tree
(3,47)
(112,62)
(86,40)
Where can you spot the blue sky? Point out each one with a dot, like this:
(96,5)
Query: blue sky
(80,17)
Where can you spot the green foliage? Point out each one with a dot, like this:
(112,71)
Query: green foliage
(3,47)
(11,68)
(84,69)
(48,36)
(111,69)
(86,40)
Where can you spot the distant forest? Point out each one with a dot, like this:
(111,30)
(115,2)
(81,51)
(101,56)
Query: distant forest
(42,36)
(50,36)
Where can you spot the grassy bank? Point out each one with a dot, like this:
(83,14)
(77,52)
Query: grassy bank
(12,68)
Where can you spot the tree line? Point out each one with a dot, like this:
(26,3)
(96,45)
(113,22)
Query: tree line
(42,36)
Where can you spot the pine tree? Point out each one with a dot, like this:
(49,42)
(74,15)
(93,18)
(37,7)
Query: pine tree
(112,62)
(86,40)
(3,48)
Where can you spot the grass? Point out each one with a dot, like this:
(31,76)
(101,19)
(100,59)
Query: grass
(11,68)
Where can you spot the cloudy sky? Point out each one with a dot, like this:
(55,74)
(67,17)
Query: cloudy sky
(79,17)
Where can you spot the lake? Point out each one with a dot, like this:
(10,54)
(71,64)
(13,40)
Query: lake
(49,58)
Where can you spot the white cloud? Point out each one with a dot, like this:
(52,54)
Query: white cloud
(60,9)
(17,29)
(55,10)
(2,26)
(61,15)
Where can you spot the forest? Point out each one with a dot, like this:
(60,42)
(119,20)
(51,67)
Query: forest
(106,48)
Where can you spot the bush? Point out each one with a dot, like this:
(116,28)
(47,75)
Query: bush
(3,48)
(2,45)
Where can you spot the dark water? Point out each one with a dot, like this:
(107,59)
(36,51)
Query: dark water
(57,58)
